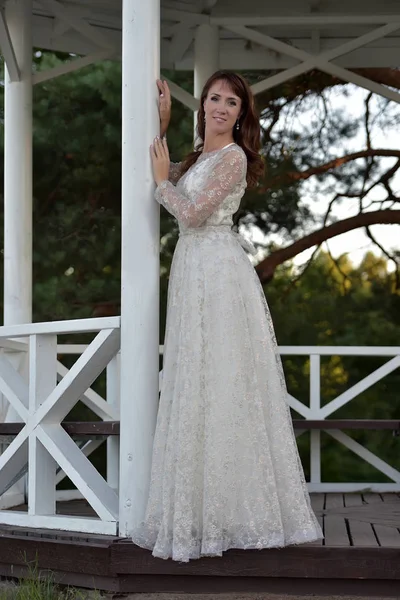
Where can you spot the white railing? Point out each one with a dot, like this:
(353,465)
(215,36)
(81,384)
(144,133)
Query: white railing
(315,411)
(42,404)
(52,454)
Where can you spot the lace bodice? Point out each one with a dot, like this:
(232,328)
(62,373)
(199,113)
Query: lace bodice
(209,193)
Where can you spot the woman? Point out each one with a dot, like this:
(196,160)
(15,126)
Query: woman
(226,472)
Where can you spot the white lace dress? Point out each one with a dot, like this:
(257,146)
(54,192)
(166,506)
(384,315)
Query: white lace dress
(226,472)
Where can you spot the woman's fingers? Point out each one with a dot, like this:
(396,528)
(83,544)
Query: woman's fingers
(159,148)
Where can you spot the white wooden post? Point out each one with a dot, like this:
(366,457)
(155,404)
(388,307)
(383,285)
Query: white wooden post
(42,466)
(17,190)
(206,58)
(18,170)
(206,55)
(315,405)
(113,398)
(140,257)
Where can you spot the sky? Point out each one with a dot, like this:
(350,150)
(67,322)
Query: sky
(356,243)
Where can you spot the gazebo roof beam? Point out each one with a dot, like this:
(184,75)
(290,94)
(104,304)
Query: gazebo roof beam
(182,16)
(306,20)
(180,43)
(321,61)
(70,17)
(8,50)
(183,96)
(71,66)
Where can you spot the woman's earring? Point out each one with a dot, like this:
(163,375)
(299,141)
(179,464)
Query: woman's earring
(237,125)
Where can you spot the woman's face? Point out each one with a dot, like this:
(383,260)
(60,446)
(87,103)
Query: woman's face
(222,108)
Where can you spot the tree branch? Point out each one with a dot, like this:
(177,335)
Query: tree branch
(332,164)
(266,268)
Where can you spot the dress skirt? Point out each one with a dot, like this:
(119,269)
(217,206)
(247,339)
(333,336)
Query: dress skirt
(226,472)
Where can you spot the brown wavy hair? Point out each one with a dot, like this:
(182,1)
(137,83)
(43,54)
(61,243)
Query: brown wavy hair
(247,136)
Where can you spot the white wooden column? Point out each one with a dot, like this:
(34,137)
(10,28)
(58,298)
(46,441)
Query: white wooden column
(18,169)
(17,191)
(206,57)
(140,256)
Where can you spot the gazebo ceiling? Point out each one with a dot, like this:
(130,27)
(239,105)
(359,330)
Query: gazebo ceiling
(311,26)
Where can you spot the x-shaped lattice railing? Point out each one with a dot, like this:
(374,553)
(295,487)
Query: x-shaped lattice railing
(42,405)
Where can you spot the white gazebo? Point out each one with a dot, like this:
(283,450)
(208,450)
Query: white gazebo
(288,37)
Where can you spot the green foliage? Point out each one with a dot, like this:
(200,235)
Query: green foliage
(77,236)
(337,304)
(41,585)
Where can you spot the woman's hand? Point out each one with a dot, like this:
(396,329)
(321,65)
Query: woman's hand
(160,160)
(164,106)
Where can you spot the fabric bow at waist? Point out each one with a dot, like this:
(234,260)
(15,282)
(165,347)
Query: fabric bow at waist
(246,244)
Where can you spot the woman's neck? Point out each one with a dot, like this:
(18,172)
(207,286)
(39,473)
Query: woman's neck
(216,142)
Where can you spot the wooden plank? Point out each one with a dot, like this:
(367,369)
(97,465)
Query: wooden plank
(318,503)
(391,498)
(335,525)
(107,428)
(361,532)
(354,499)
(292,562)
(79,428)
(373,498)
(387,536)
(90,558)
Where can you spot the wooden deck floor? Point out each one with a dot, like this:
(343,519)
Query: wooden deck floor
(360,555)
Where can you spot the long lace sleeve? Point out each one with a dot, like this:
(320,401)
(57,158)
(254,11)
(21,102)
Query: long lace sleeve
(174,172)
(225,175)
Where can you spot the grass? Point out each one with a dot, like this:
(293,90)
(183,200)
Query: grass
(41,586)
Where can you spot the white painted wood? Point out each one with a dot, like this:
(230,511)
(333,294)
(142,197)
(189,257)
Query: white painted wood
(353,487)
(113,398)
(60,327)
(299,407)
(12,498)
(18,169)
(18,346)
(359,387)
(73,65)
(340,350)
(206,55)
(315,385)
(60,27)
(7,50)
(13,461)
(140,258)
(63,13)
(182,16)
(316,20)
(315,456)
(80,470)
(14,388)
(87,449)
(61,522)
(70,348)
(42,466)
(180,43)
(78,379)
(182,95)
(322,61)
(368,456)
(315,405)
(92,399)
(68,495)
